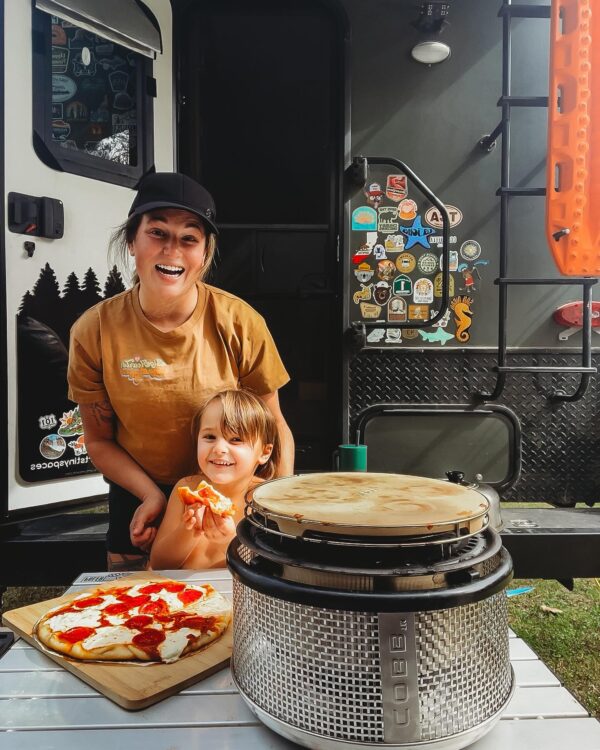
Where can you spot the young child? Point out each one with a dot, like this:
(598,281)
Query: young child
(238,448)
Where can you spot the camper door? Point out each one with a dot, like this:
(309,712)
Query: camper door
(87,110)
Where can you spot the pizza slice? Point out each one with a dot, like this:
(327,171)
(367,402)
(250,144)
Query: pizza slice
(149,621)
(205,494)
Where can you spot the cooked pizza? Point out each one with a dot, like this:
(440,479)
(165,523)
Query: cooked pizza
(205,494)
(149,621)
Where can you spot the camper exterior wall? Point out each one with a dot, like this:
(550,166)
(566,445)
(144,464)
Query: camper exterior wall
(92,208)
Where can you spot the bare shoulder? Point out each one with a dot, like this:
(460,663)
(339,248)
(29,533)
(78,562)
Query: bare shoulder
(255,482)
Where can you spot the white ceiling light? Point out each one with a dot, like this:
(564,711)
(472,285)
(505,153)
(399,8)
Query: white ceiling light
(431,52)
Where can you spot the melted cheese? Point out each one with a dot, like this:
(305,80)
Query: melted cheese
(108,636)
(174,643)
(88,618)
(119,619)
(215,605)
(173,601)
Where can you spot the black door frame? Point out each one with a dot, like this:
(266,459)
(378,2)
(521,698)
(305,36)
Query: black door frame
(341,108)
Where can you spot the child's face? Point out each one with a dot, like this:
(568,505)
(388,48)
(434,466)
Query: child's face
(225,459)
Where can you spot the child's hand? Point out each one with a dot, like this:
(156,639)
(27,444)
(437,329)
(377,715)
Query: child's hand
(192,518)
(217,528)
(199,519)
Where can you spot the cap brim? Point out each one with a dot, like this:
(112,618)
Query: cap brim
(143,209)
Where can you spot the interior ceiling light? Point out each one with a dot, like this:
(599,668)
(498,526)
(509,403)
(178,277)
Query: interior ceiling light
(430,52)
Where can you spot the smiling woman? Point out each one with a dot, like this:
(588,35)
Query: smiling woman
(141,362)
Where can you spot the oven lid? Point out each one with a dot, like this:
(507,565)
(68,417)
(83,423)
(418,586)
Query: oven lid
(125,22)
(369,504)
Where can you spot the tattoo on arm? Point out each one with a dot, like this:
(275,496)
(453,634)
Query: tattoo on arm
(102,412)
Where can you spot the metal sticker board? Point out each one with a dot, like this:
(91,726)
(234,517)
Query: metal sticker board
(48,286)
(432,118)
(403,250)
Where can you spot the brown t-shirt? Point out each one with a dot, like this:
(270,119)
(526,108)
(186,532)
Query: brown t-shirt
(156,380)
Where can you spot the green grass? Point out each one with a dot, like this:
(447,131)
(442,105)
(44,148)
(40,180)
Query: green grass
(568,642)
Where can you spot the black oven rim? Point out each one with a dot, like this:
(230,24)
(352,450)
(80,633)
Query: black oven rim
(350,561)
(472,589)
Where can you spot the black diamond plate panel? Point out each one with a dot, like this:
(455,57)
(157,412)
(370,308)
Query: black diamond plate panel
(561,441)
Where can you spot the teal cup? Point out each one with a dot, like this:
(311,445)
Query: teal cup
(350,458)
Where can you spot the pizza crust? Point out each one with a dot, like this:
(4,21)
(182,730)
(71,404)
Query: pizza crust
(205,494)
(180,639)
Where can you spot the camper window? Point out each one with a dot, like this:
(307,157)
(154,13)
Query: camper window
(91,103)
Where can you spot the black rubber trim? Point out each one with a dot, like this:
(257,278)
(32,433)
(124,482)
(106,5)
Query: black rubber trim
(266,582)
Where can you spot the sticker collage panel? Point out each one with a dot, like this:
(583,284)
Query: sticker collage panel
(93,94)
(396,259)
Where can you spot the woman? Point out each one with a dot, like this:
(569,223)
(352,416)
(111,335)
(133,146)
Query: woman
(140,362)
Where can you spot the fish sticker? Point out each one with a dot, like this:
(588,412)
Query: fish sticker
(438,335)
(463,317)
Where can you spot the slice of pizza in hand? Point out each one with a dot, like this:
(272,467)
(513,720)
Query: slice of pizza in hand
(149,621)
(205,494)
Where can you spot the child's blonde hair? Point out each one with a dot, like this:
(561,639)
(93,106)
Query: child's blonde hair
(245,415)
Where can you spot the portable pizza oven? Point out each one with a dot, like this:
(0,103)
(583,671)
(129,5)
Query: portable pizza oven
(369,609)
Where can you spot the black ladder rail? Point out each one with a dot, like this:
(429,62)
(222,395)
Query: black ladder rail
(505,192)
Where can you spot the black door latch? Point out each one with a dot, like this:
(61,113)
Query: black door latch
(37,217)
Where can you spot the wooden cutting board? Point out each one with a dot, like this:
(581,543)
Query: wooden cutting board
(132,686)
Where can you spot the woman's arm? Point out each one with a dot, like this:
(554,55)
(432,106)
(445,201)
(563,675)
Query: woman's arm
(118,466)
(286,464)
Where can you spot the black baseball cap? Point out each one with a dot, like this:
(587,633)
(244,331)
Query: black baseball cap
(174,190)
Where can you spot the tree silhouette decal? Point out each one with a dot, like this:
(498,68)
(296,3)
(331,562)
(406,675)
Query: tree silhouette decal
(46,305)
(114,283)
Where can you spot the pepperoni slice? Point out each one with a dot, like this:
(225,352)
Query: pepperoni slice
(198,623)
(91,601)
(165,619)
(152,588)
(174,587)
(116,609)
(189,595)
(159,607)
(76,634)
(148,637)
(138,622)
(135,601)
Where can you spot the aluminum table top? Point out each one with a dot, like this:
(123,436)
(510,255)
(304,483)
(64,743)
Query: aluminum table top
(44,707)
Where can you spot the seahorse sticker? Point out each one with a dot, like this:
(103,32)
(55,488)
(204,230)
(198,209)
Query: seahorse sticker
(463,317)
